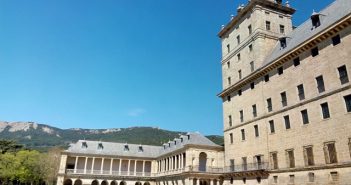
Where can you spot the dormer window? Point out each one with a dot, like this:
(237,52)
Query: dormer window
(140,148)
(126,148)
(100,146)
(84,145)
(282,41)
(316,22)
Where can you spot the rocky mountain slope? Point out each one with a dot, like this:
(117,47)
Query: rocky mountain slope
(41,136)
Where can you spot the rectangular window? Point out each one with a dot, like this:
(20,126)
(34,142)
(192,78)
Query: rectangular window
(231,138)
(336,40)
(252,85)
(228,48)
(280,71)
(256,131)
(291,158)
(238,56)
(244,159)
(230,121)
(308,156)
(271,126)
(232,165)
(320,84)
(268,25)
(350,146)
(330,153)
(228,98)
(250,47)
(238,39)
(284,99)
(301,92)
(250,29)
(296,61)
(269,105)
(274,159)
(266,78)
(287,122)
(243,134)
(314,52)
(275,179)
(228,65)
(325,110)
(291,179)
(252,66)
(334,176)
(241,116)
(282,29)
(304,115)
(343,74)
(229,81)
(254,111)
(239,92)
(348,102)
(239,74)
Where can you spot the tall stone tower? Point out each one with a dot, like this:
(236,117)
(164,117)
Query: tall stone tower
(250,36)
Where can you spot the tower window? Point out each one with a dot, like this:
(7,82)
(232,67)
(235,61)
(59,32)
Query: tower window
(296,61)
(284,99)
(271,126)
(269,105)
(287,122)
(348,102)
(228,65)
(228,48)
(266,78)
(228,98)
(325,110)
(250,47)
(240,74)
(241,116)
(230,120)
(254,110)
(238,39)
(252,66)
(239,92)
(257,134)
(238,56)
(243,134)
(336,40)
(268,25)
(314,52)
(304,115)
(250,29)
(231,138)
(282,29)
(301,92)
(343,75)
(280,70)
(320,84)
(229,81)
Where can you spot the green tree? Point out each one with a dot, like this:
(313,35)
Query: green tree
(9,146)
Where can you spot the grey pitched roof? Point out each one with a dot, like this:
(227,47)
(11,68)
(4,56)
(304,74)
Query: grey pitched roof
(330,15)
(148,151)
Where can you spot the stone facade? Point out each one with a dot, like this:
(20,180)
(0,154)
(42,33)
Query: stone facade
(286,121)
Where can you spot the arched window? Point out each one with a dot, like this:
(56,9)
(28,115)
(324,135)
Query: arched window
(202,161)
(113,183)
(146,183)
(138,183)
(122,183)
(95,182)
(104,182)
(78,182)
(67,182)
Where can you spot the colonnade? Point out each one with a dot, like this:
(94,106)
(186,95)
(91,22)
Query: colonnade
(90,165)
(172,163)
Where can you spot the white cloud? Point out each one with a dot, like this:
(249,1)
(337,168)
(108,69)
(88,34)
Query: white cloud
(136,112)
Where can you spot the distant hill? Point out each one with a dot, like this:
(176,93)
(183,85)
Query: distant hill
(41,136)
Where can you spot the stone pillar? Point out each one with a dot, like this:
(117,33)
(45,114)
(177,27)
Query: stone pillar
(63,162)
(60,180)
(85,165)
(102,165)
(92,165)
(75,165)
(135,166)
(143,168)
(128,167)
(120,167)
(111,166)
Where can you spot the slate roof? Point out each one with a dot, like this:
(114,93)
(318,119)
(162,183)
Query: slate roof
(328,16)
(148,151)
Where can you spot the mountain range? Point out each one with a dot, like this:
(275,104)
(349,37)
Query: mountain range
(42,137)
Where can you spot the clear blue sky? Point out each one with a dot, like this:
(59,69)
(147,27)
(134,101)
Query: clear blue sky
(116,63)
